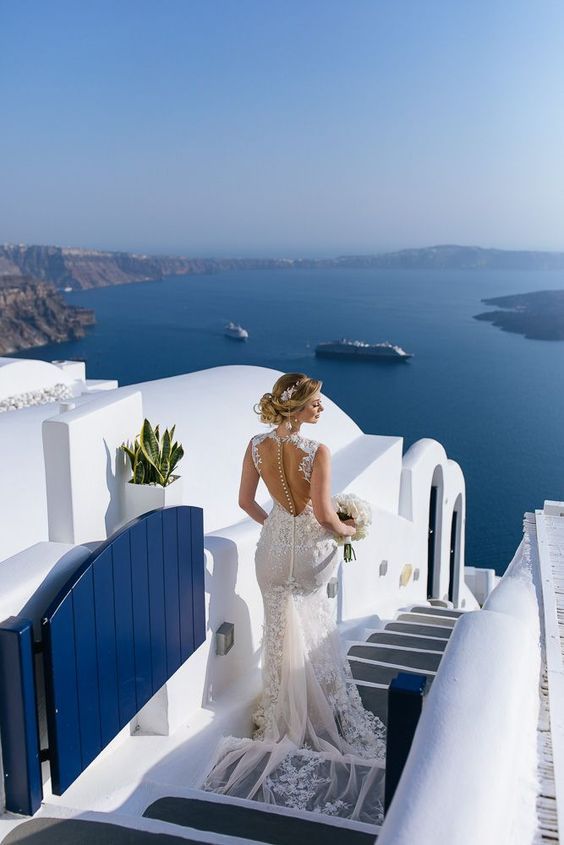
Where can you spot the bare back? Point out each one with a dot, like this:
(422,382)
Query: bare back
(285,464)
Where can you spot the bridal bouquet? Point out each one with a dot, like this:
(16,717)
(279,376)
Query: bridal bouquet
(349,506)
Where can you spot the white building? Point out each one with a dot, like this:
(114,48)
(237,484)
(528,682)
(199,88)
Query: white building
(477,766)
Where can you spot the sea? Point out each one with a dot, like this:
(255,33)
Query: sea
(495,400)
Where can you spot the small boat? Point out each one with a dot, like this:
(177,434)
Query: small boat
(356,349)
(235,331)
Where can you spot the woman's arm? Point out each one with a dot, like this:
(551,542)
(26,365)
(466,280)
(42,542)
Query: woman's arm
(248,488)
(320,490)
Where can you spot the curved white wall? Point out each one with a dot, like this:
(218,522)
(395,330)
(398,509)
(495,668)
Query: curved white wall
(19,376)
(213,412)
(471,773)
(424,464)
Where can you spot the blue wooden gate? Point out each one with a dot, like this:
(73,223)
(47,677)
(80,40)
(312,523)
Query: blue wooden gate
(120,627)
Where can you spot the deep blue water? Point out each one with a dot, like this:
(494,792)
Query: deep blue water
(495,400)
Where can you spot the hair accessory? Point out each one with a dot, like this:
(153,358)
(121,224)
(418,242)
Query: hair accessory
(289,392)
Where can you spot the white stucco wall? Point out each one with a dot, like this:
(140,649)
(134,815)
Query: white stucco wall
(213,412)
(22,375)
(85,469)
(471,773)
(424,464)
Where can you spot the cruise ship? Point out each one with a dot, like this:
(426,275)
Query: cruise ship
(344,348)
(130,631)
(235,331)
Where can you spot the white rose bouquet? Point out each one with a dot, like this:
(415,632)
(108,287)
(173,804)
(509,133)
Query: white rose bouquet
(349,506)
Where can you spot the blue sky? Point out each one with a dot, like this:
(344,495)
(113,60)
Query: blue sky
(282,127)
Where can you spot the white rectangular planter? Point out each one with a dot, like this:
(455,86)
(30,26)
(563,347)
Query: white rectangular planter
(141,498)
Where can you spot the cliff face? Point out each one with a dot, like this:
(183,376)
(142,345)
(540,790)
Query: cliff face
(33,313)
(89,268)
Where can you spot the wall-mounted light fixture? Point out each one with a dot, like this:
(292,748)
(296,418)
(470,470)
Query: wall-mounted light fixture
(224,638)
(405,575)
(416,574)
(332,588)
(383,567)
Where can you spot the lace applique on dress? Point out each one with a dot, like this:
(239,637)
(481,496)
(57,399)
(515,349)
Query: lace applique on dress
(306,463)
(258,438)
(303,443)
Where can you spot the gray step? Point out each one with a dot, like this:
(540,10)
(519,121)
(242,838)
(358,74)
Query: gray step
(378,673)
(396,638)
(439,611)
(415,628)
(259,824)
(412,659)
(48,831)
(431,619)
(374,699)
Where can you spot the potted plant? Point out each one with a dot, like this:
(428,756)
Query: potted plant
(153,460)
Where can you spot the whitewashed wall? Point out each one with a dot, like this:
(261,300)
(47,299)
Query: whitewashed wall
(85,469)
(22,375)
(471,773)
(424,464)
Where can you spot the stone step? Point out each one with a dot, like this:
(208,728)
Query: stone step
(57,831)
(375,699)
(398,656)
(426,619)
(260,824)
(397,638)
(381,673)
(419,628)
(438,611)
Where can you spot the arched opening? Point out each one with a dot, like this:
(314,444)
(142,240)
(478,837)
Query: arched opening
(434,533)
(454,552)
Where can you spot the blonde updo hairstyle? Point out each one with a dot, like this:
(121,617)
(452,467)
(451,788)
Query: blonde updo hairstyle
(272,410)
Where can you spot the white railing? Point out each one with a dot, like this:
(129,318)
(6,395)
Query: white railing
(550,536)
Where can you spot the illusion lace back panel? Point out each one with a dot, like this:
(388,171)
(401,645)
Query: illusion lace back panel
(314,747)
(285,465)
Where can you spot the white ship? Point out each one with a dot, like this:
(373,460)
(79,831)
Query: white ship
(128,647)
(235,331)
(359,349)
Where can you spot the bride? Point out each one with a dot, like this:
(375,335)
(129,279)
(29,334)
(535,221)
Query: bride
(314,747)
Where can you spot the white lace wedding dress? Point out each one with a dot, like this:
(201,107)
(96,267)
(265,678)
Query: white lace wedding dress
(315,746)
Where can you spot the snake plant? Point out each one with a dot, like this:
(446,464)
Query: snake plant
(153,459)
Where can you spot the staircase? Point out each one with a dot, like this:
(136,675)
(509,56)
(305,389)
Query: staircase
(414,641)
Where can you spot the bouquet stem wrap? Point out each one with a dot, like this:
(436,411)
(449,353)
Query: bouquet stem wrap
(348,553)
(349,506)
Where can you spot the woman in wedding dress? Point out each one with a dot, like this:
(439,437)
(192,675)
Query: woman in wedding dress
(315,747)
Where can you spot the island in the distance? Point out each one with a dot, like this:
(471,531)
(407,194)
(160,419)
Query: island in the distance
(538,315)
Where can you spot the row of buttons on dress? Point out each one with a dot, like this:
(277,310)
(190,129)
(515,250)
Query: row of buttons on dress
(283,479)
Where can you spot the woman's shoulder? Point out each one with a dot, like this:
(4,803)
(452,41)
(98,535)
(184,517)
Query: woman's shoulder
(257,438)
(315,447)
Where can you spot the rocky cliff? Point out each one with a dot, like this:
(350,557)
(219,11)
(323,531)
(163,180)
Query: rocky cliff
(33,313)
(88,268)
